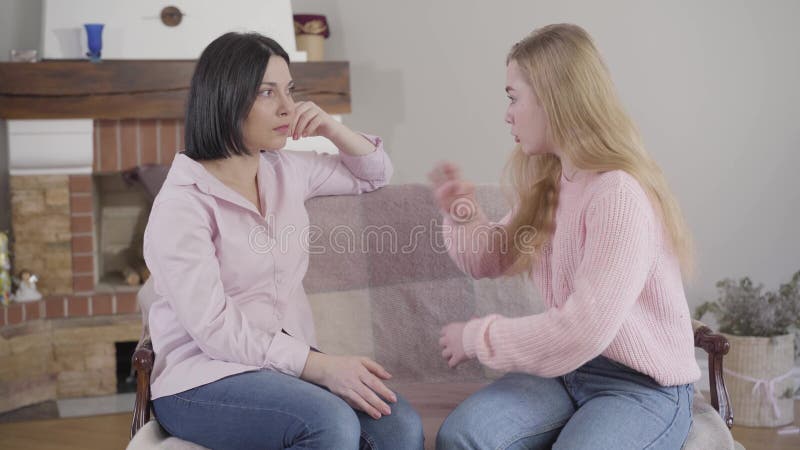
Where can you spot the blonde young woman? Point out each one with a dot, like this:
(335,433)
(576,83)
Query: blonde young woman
(610,363)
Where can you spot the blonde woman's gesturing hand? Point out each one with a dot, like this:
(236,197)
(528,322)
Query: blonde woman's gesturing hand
(452,343)
(453,194)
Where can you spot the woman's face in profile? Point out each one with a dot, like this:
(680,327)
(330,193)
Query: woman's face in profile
(527,118)
(267,125)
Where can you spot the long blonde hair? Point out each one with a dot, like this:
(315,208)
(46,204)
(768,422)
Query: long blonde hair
(588,124)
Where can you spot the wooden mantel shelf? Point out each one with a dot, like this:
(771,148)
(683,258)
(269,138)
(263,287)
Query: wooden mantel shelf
(137,89)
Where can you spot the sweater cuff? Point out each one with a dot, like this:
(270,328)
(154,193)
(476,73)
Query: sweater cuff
(287,354)
(473,334)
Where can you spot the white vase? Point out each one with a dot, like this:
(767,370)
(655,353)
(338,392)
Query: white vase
(770,359)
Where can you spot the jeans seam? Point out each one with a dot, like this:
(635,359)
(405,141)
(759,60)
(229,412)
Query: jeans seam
(519,437)
(228,405)
(368,439)
(670,427)
(231,405)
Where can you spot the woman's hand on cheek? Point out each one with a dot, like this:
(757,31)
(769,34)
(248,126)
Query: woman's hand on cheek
(452,343)
(310,120)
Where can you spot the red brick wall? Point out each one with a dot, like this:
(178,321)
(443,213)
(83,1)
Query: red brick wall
(123,144)
(57,307)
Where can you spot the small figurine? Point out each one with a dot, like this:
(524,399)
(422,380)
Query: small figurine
(27,288)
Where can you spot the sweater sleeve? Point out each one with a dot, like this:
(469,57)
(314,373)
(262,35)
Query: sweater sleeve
(479,248)
(619,253)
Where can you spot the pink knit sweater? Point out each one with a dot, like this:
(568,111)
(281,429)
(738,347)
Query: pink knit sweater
(610,285)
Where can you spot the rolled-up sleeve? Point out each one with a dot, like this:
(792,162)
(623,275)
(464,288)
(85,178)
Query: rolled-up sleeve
(179,250)
(343,174)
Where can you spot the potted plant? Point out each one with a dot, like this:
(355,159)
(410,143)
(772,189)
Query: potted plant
(759,368)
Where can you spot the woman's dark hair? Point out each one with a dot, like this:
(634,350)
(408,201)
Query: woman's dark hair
(224,86)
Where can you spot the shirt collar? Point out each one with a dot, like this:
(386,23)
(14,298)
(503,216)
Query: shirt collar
(186,172)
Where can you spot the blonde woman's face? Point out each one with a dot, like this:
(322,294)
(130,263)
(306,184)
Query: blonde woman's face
(527,118)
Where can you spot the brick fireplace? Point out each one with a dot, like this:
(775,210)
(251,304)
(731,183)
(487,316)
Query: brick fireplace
(65,344)
(63,251)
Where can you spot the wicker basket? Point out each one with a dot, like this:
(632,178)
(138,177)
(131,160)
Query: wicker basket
(760,358)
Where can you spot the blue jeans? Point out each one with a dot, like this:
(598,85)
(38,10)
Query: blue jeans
(270,410)
(601,405)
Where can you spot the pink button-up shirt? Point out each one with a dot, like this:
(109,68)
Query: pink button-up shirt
(228,279)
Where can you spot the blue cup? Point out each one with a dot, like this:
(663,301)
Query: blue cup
(94,33)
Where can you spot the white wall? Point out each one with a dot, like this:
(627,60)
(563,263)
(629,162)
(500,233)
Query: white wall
(713,86)
(20,25)
(133,30)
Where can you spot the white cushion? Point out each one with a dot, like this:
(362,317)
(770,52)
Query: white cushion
(152,436)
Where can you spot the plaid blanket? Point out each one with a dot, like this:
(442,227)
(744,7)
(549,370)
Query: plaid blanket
(389,286)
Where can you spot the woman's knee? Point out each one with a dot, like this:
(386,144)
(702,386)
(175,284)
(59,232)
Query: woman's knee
(457,432)
(335,425)
(400,430)
(407,422)
(515,411)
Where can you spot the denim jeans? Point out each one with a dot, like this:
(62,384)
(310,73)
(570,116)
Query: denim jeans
(601,405)
(270,410)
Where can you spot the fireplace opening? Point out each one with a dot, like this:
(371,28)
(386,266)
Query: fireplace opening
(126,378)
(121,212)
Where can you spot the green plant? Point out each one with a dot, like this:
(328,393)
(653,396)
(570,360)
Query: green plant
(743,310)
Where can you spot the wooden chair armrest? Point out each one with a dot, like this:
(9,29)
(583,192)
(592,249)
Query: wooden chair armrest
(716,346)
(143,360)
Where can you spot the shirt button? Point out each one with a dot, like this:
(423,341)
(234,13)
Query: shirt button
(279,280)
(279,315)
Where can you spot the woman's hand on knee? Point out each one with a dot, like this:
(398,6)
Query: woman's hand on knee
(356,379)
